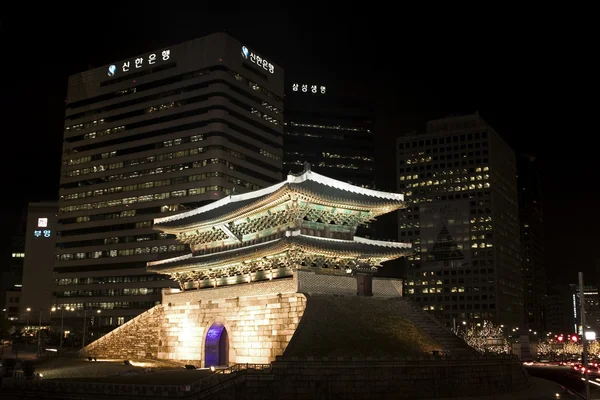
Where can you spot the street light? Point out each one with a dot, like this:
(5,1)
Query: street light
(27,327)
(85,323)
(39,332)
(62,325)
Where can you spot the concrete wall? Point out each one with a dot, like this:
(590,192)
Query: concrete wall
(136,339)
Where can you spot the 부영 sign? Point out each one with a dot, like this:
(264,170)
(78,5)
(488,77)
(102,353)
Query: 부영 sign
(249,55)
(139,62)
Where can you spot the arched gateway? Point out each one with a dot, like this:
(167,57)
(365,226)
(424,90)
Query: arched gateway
(216,346)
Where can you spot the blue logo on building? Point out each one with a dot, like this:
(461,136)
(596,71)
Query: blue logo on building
(111,70)
(245,52)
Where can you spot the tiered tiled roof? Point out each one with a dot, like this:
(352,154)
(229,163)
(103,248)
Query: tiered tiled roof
(309,185)
(357,249)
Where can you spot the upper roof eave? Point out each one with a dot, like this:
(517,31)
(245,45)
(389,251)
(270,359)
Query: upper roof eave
(229,204)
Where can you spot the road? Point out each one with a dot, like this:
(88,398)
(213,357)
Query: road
(567,378)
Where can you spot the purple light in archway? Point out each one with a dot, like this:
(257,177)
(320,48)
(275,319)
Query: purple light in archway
(215,346)
(214,332)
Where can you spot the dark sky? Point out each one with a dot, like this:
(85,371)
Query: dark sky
(525,74)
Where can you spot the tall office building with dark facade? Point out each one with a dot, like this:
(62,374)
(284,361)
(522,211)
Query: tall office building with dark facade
(532,241)
(459,180)
(149,136)
(333,133)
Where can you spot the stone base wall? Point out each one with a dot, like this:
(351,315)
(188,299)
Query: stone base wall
(406,379)
(366,379)
(135,339)
(259,327)
(260,319)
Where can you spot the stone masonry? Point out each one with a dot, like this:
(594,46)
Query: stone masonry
(259,327)
(260,319)
(135,339)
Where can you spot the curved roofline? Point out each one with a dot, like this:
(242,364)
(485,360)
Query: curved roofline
(306,175)
(292,234)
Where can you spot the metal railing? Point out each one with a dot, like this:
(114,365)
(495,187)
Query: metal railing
(224,375)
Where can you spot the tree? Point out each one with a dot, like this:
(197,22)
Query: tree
(594,349)
(571,349)
(545,348)
(486,338)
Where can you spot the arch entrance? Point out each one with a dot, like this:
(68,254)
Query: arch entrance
(216,346)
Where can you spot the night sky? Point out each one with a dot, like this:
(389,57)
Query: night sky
(521,74)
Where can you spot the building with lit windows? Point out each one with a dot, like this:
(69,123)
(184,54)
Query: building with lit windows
(459,182)
(40,245)
(152,135)
(592,308)
(333,133)
(532,241)
(11,269)
(558,307)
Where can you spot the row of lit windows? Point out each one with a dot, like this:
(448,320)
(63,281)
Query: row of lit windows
(145,198)
(335,155)
(110,279)
(122,214)
(315,135)
(165,143)
(85,125)
(109,292)
(160,157)
(450,189)
(143,305)
(168,182)
(463,162)
(148,159)
(444,181)
(446,172)
(264,116)
(442,140)
(442,157)
(270,155)
(116,240)
(121,253)
(461,307)
(104,132)
(334,127)
(18,255)
(325,165)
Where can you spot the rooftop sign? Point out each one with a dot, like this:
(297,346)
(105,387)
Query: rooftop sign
(139,62)
(251,56)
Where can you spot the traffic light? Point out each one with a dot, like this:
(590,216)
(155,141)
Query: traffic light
(560,338)
(574,338)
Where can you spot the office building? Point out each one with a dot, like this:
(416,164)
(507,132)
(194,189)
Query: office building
(459,181)
(154,134)
(331,132)
(532,241)
(11,269)
(559,311)
(592,307)
(40,241)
